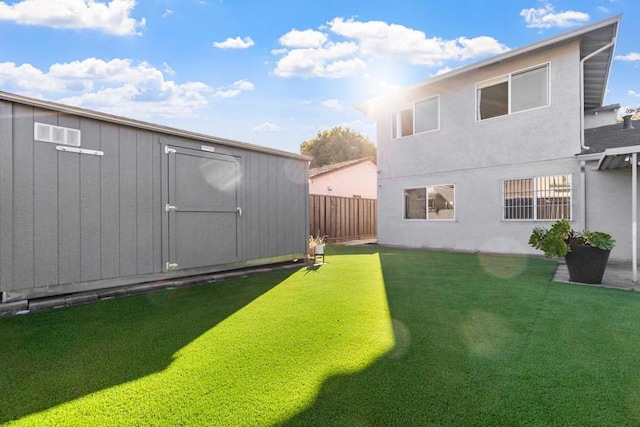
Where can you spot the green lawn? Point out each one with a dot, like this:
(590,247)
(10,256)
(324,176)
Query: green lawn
(376,336)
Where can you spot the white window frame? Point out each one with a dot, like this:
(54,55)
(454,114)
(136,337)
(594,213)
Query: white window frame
(426,187)
(396,119)
(507,77)
(536,194)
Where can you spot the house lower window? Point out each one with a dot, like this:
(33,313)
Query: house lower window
(538,198)
(430,203)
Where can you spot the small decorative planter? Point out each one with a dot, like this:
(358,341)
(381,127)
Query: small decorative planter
(316,247)
(586,264)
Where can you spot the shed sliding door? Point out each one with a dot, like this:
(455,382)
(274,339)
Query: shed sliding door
(203,208)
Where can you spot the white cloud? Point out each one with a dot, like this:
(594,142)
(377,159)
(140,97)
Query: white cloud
(28,79)
(118,86)
(113,17)
(236,43)
(603,9)
(266,127)
(167,69)
(234,90)
(633,93)
(306,38)
(333,103)
(443,70)
(320,62)
(385,86)
(311,53)
(546,17)
(633,56)
(167,13)
(377,38)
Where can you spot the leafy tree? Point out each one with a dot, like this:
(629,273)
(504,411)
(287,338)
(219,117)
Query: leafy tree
(337,145)
(634,111)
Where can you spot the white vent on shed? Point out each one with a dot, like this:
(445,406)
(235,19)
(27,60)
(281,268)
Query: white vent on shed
(56,134)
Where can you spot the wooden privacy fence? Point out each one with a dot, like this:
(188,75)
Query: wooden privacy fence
(342,218)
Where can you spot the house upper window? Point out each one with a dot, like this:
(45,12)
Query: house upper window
(424,116)
(430,203)
(519,91)
(538,198)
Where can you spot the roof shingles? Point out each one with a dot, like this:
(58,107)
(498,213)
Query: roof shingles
(321,170)
(611,136)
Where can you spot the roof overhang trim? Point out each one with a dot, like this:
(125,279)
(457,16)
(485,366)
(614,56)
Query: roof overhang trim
(617,158)
(68,109)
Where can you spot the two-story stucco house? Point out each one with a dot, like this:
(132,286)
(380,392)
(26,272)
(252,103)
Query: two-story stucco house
(473,159)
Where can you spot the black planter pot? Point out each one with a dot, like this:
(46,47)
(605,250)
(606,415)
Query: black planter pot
(586,264)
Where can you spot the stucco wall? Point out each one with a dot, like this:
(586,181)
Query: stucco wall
(609,206)
(476,156)
(357,180)
(478,224)
(602,118)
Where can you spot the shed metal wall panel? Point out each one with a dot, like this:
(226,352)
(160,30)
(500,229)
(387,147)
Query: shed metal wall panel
(69,209)
(6,195)
(110,201)
(263,234)
(127,202)
(281,191)
(157,196)
(90,207)
(23,232)
(144,200)
(76,221)
(251,183)
(271,178)
(45,210)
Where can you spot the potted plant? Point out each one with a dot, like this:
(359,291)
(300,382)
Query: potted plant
(586,253)
(316,245)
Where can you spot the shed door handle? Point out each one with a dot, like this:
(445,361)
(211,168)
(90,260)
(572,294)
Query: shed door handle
(239,210)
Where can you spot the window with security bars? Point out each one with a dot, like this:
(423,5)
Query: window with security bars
(538,198)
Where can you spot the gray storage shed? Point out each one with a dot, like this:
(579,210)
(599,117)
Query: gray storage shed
(91,201)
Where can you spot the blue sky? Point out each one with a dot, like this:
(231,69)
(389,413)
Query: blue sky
(273,73)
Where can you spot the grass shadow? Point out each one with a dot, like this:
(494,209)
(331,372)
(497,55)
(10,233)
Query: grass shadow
(55,357)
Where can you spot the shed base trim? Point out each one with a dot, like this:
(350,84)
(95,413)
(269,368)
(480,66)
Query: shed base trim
(69,288)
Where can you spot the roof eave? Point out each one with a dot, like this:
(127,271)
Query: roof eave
(609,158)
